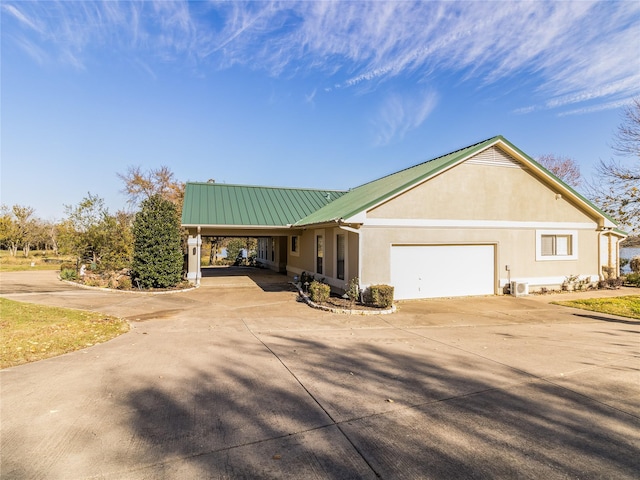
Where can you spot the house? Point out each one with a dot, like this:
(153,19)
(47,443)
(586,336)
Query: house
(466,223)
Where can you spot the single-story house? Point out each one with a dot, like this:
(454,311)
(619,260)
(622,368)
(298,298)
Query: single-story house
(467,223)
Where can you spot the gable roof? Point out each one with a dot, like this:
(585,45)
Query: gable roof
(244,205)
(364,197)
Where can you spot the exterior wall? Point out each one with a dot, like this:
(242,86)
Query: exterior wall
(485,202)
(514,247)
(482,192)
(272,253)
(306,260)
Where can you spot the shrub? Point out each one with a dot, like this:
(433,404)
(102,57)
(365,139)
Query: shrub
(634,264)
(68,274)
(319,292)
(157,249)
(379,296)
(353,290)
(633,279)
(124,283)
(68,266)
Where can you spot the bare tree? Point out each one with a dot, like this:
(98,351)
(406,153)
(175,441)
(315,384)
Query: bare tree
(616,187)
(627,138)
(565,168)
(140,185)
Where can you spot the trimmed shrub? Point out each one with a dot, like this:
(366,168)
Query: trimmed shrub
(68,274)
(380,296)
(319,292)
(157,249)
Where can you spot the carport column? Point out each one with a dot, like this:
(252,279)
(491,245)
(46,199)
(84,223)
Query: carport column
(194,245)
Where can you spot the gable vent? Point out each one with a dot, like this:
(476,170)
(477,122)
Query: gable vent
(495,157)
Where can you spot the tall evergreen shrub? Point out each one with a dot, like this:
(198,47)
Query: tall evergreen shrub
(157,252)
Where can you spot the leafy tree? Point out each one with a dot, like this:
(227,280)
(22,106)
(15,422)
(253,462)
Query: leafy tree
(83,232)
(617,185)
(18,229)
(565,168)
(157,252)
(140,185)
(92,234)
(117,252)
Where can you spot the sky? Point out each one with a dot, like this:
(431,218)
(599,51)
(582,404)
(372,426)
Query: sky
(327,94)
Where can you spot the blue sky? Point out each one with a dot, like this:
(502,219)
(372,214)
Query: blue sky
(308,94)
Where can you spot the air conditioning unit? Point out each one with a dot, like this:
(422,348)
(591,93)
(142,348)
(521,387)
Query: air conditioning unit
(519,289)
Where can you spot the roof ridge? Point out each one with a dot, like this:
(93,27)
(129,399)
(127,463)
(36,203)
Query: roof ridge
(431,160)
(306,189)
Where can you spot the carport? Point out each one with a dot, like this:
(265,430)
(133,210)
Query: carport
(265,213)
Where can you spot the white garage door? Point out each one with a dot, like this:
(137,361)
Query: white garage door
(429,271)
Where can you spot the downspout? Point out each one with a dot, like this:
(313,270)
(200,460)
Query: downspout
(357,232)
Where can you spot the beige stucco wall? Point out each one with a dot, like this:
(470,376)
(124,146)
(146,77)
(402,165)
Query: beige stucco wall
(514,247)
(481,192)
(306,261)
(519,204)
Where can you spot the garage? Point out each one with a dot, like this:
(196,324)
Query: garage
(430,271)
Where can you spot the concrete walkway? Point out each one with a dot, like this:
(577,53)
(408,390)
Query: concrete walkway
(238,380)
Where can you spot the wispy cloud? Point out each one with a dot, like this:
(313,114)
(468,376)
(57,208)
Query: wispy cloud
(400,114)
(572,52)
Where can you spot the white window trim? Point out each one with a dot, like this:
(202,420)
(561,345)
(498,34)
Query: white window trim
(291,252)
(555,258)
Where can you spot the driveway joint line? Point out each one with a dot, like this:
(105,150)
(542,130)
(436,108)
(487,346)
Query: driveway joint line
(337,424)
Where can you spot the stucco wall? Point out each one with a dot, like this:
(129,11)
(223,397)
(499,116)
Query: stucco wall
(482,192)
(306,260)
(514,247)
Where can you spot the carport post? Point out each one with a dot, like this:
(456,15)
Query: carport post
(194,245)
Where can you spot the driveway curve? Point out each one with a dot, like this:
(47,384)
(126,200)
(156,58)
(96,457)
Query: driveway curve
(236,379)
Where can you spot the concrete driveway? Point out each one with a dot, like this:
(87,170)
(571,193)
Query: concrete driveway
(238,380)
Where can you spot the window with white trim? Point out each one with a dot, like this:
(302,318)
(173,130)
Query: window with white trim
(556,245)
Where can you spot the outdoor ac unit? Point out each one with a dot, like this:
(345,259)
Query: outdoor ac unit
(519,289)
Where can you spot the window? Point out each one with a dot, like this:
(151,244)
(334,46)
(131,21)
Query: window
(295,245)
(319,253)
(340,256)
(556,245)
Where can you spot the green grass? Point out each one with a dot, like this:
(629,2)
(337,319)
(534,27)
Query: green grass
(628,306)
(37,258)
(29,332)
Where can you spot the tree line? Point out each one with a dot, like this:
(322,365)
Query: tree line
(146,242)
(108,241)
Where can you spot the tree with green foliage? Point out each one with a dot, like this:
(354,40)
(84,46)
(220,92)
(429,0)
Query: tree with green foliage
(157,251)
(18,229)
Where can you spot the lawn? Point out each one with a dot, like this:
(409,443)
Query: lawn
(37,260)
(31,332)
(628,306)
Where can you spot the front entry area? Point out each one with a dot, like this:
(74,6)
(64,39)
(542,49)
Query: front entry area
(431,271)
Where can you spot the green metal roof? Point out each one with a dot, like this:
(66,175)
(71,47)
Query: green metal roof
(244,205)
(365,196)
